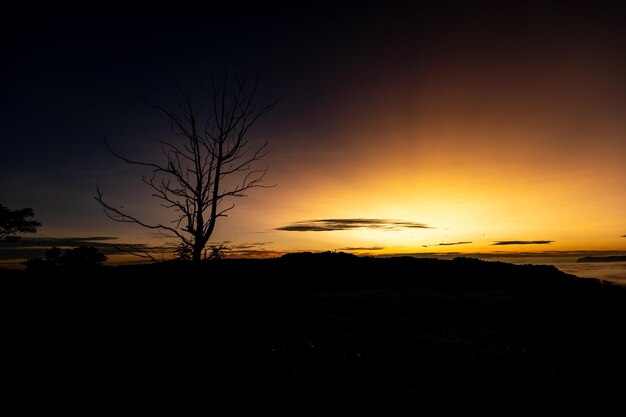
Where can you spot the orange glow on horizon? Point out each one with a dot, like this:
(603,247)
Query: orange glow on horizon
(479,196)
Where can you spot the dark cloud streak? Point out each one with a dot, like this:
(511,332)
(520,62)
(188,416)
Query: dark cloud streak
(522,242)
(248,246)
(35,247)
(453,243)
(52,241)
(363,248)
(329,225)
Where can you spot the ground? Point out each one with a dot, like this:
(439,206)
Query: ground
(425,339)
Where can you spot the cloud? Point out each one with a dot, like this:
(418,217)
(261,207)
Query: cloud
(52,241)
(329,225)
(453,243)
(247,246)
(90,238)
(363,248)
(523,242)
(254,253)
(35,247)
(252,250)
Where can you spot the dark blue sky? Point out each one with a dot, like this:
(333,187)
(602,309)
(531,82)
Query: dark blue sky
(68,77)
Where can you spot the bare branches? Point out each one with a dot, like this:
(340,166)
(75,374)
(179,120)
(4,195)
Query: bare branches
(137,251)
(209,160)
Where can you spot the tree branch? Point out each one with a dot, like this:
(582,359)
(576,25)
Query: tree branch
(208,148)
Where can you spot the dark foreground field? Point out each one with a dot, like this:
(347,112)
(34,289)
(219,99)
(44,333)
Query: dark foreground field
(380,337)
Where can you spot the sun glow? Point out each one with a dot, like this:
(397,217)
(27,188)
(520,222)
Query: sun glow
(469,200)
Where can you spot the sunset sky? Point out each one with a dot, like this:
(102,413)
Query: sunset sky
(431,129)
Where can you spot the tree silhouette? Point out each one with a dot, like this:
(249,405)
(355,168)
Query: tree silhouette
(82,257)
(54,257)
(15,221)
(209,162)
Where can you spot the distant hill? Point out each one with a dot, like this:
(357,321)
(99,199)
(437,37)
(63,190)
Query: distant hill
(602,259)
(341,271)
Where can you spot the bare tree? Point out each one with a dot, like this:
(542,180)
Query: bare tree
(209,162)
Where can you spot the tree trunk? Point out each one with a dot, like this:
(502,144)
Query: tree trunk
(197,252)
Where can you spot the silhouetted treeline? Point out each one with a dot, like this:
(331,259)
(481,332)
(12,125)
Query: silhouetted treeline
(325,271)
(341,271)
(80,258)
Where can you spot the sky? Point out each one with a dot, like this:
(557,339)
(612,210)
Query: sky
(461,127)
